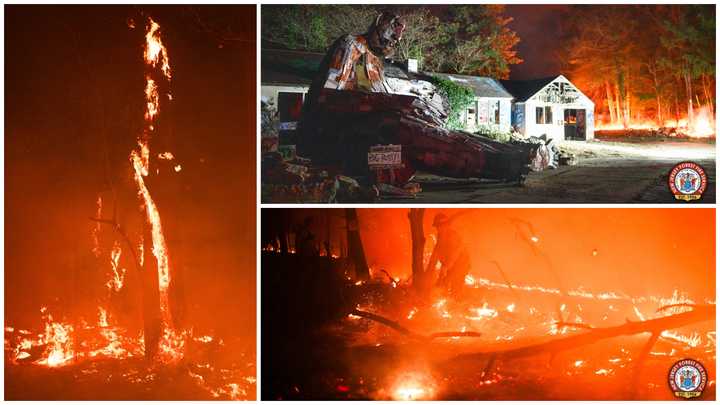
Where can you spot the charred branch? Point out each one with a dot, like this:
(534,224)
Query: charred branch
(120,231)
(407,332)
(655,326)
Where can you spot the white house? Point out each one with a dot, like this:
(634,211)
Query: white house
(491,108)
(285,80)
(551,106)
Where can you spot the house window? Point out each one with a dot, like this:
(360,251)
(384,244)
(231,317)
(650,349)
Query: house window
(543,115)
(497,112)
(471,114)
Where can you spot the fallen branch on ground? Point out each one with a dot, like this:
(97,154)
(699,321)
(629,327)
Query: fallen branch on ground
(404,331)
(701,313)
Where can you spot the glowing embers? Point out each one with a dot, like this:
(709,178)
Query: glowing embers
(677,303)
(442,308)
(62,344)
(55,347)
(172,345)
(112,340)
(222,383)
(413,386)
(480,313)
(104,352)
(58,338)
(693,340)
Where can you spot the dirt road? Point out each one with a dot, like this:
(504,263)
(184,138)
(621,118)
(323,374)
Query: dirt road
(606,172)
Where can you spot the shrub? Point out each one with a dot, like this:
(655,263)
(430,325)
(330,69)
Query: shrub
(493,133)
(459,97)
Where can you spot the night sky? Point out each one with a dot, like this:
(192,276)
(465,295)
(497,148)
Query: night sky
(540,32)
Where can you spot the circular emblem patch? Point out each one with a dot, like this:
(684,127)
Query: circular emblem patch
(687,181)
(687,378)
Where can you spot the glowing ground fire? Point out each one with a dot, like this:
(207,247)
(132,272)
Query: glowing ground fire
(703,125)
(522,325)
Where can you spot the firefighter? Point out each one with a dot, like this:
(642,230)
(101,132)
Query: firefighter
(451,252)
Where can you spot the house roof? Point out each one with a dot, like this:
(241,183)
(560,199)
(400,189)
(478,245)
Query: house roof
(298,68)
(285,67)
(482,86)
(524,89)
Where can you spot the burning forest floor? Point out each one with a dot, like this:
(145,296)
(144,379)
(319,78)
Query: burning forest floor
(101,362)
(320,341)
(623,170)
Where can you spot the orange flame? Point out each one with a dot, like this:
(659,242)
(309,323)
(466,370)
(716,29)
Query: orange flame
(413,386)
(155,51)
(118,276)
(59,343)
(703,125)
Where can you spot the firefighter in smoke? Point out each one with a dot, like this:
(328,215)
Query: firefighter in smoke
(451,252)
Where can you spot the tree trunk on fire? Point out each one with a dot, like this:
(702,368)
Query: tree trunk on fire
(652,68)
(708,96)
(416,216)
(356,253)
(621,88)
(618,113)
(611,107)
(627,112)
(152,319)
(689,95)
(328,235)
(677,110)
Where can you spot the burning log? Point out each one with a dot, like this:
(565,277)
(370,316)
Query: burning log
(655,326)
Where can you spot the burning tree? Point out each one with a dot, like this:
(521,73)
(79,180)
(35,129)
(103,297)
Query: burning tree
(121,322)
(643,64)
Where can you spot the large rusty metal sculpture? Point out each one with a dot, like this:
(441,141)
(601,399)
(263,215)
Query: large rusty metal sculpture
(353,105)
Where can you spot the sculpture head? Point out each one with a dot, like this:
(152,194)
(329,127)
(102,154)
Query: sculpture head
(385,33)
